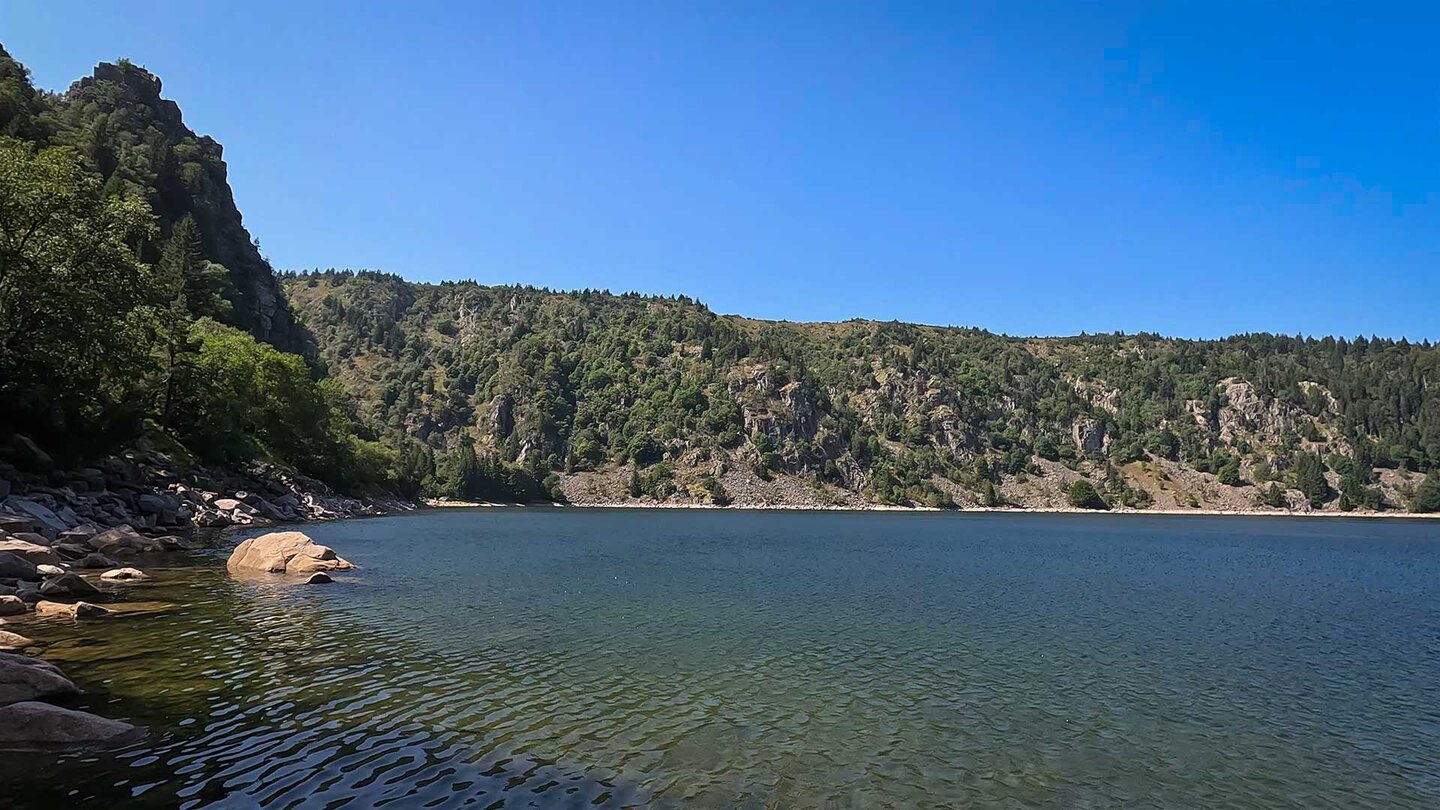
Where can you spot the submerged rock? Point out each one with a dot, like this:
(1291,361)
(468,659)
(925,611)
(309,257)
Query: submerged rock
(121,574)
(40,724)
(60,610)
(319,578)
(26,678)
(284,553)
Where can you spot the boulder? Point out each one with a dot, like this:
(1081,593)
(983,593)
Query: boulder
(49,570)
(37,512)
(11,606)
(60,610)
(284,553)
(96,560)
(124,540)
(123,574)
(30,723)
(25,454)
(13,566)
(13,641)
(36,554)
(319,578)
(12,523)
(26,678)
(68,585)
(212,519)
(70,551)
(149,504)
(228,504)
(31,537)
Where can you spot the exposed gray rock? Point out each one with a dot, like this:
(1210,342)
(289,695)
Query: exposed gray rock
(150,504)
(30,724)
(49,570)
(69,585)
(41,514)
(96,560)
(1089,436)
(26,678)
(124,540)
(123,574)
(13,566)
(11,606)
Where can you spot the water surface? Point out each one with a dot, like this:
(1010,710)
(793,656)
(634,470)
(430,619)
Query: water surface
(616,658)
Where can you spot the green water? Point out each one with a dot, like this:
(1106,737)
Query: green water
(614,658)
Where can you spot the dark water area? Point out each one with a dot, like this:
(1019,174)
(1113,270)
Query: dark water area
(644,658)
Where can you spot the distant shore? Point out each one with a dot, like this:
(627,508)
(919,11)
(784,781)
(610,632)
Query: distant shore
(444,503)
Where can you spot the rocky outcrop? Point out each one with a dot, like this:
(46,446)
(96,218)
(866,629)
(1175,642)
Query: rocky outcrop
(30,724)
(192,172)
(284,553)
(1089,436)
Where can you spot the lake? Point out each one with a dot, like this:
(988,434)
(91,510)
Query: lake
(673,658)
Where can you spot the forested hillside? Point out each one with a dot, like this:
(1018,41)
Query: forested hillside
(132,299)
(615,396)
(134,304)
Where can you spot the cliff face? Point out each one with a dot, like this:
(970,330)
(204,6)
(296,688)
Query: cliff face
(140,144)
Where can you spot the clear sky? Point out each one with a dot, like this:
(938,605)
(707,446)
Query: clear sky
(1196,169)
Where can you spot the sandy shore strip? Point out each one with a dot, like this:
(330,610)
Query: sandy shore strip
(445,503)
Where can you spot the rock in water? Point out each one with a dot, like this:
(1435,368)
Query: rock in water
(59,610)
(40,724)
(95,560)
(11,605)
(319,578)
(72,585)
(26,678)
(124,574)
(284,553)
(49,570)
(14,641)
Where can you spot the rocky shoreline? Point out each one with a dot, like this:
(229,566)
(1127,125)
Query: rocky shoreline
(72,541)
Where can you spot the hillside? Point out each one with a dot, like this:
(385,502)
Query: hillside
(136,310)
(623,396)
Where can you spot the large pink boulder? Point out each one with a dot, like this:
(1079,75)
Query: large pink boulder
(284,553)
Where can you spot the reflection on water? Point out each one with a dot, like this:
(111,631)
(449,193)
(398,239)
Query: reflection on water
(514,658)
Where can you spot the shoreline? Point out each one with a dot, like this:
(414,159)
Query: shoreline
(978,510)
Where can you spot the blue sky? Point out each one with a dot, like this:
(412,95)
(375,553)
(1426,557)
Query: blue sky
(1196,169)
